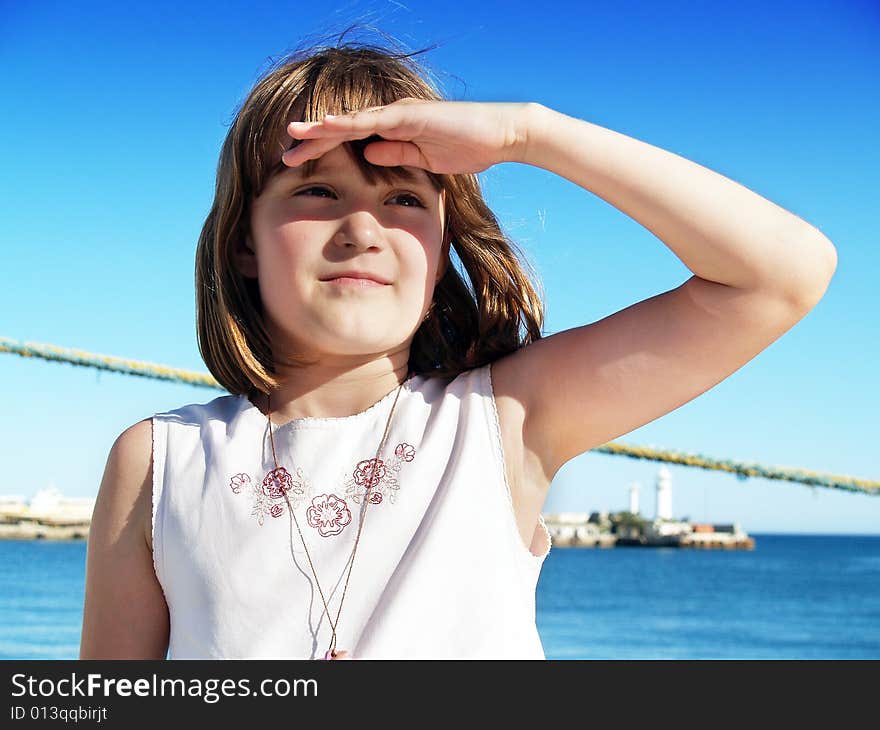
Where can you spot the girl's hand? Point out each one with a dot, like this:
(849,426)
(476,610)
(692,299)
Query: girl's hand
(440,136)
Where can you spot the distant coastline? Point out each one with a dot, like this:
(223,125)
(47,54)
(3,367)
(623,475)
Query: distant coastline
(629,529)
(48,515)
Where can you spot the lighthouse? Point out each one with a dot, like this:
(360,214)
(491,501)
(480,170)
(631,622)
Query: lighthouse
(664,494)
(634,498)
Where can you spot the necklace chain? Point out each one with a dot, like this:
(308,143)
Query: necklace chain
(331,651)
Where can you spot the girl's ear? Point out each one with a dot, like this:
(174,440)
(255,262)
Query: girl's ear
(245,258)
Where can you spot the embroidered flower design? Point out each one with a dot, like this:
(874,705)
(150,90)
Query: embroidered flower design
(369,469)
(269,495)
(405,452)
(238,481)
(329,514)
(277,482)
(260,509)
(384,482)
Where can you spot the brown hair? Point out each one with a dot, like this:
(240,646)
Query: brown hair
(466,327)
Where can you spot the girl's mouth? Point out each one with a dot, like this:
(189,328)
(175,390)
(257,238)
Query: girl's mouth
(351,282)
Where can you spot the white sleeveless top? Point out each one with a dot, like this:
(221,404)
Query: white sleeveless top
(440,572)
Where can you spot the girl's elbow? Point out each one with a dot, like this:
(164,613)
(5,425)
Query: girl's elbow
(809,295)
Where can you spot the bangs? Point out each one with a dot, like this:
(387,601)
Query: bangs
(340,83)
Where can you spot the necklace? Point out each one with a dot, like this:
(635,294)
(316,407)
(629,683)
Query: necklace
(331,652)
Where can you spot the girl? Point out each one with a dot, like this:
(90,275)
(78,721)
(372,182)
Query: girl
(394,417)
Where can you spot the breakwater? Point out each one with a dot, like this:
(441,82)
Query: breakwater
(626,529)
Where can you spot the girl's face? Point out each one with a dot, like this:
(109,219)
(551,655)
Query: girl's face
(306,231)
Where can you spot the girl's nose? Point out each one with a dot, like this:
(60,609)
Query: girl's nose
(358,230)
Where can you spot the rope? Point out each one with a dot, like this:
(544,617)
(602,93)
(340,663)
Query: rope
(107,362)
(742,469)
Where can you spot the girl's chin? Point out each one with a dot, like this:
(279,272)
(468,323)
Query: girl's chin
(348,343)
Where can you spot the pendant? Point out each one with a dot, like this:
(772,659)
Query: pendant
(335,655)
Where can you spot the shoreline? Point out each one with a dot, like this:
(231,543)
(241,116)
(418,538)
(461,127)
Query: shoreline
(32,530)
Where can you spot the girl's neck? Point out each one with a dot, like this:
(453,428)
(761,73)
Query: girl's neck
(322,393)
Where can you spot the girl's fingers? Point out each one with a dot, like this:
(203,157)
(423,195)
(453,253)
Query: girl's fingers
(329,125)
(392,153)
(308,129)
(317,145)
(370,118)
(317,138)
(306,151)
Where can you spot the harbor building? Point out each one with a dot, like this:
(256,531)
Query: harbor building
(576,529)
(634,498)
(47,515)
(664,494)
(624,529)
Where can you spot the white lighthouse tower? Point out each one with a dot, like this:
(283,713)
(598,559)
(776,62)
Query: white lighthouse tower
(664,494)
(634,498)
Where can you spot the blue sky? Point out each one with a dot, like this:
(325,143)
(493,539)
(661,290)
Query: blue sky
(113,118)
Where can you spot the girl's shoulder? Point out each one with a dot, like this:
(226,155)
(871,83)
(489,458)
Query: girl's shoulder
(196,414)
(126,486)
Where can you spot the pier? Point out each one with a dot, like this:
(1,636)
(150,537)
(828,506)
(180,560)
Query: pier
(626,529)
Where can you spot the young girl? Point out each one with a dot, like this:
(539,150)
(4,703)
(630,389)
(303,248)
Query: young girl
(372,485)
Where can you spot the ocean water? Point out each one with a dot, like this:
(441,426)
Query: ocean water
(793,597)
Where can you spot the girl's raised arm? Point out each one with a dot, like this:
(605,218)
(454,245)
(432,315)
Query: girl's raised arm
(125,614)
(757,270)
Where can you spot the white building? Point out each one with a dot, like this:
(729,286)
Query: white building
(567,518)
(50,504)
(634,498)
(667,528)
(664,494)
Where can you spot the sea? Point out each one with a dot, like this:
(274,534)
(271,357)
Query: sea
(792,597)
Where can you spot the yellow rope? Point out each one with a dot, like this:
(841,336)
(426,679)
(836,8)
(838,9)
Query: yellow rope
(107,362)
(743,470)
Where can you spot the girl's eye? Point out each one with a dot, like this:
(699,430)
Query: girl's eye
(413,201)
(315,189)
(408,200)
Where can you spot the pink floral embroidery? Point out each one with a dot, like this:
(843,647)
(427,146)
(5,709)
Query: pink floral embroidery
(268,495)
(405,452)
(384,482)
(238,481)
(369,469)
(329,514)
(277,482)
